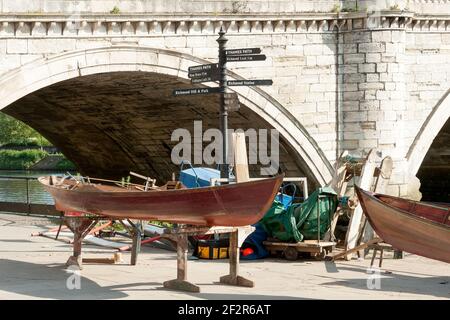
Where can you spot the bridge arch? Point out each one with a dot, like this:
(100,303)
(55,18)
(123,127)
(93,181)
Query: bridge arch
(43,73)
(428,132)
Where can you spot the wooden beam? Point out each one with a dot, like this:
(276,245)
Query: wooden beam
(381,184)
(355,249)
(240,158)
(365,183)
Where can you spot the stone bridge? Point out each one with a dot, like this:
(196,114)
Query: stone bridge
(96,78)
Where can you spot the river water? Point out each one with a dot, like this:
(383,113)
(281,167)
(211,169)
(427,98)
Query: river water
(13,190)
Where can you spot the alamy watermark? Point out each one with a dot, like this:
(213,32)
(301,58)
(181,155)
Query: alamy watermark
(374,279)
(73,282)
(190,147)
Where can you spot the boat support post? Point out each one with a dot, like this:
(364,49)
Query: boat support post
(180,236)
(181,283)
(135,231)
(80,226)
(237,237)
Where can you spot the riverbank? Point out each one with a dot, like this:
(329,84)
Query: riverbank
(35,269)
(33,159)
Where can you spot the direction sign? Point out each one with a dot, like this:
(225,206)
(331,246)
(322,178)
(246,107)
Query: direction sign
(203,74)
(265,82)
(195,91)
(250,57)
(204,67)
(234,52)
(205,79)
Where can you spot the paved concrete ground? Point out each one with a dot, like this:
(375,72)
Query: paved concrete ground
(33,268)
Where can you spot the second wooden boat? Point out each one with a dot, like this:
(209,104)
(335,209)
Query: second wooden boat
(237,204)
(411,226)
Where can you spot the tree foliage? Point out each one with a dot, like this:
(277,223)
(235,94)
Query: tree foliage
(20,160)
(15,132)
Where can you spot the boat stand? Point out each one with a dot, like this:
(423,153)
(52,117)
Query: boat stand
(180,236)
(136,234)
(80,226)
(380,246)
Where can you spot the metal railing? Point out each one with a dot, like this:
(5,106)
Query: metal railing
(27,207)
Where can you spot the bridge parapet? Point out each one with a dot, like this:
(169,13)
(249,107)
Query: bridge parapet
(352,80)
(138,25)
(219,6)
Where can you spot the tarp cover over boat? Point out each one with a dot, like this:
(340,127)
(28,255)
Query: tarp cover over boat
(299,221)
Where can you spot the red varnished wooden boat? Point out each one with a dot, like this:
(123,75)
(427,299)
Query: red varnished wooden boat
(227,205)
(411,226)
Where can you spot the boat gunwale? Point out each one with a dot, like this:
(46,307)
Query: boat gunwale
(403,212)
(155,191)
(427,204)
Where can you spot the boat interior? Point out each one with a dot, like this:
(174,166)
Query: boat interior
(436,213)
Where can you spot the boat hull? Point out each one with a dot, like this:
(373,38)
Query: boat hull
(229,205)
(406,231)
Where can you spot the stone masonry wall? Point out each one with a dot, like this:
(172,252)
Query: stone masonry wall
(220,6)
(371,87)
(302,65)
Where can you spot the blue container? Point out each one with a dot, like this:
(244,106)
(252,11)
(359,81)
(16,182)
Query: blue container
(285,199)
(198,177)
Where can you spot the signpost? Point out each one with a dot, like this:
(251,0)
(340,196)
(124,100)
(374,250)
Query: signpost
(234,52)
(266,82)
(194,91)
(205,79)
(204,73)
(232,101)
(222,40)
(243,58)
(204,67)
(228,100)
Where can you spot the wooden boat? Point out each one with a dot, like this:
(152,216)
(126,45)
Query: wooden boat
(226,205)
(411,226)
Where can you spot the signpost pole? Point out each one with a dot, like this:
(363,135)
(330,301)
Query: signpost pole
(224,168)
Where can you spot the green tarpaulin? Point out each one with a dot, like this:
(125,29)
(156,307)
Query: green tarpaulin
(299,221)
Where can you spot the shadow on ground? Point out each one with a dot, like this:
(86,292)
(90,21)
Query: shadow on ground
(48,282)
(249,296)
(437,286)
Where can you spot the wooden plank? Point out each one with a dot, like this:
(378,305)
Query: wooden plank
(381,184)
(117,257)
(312,244)
(181,282)
(233,278)
(339,185)
(365,183)
(346,253)
(240,158)
(205,230)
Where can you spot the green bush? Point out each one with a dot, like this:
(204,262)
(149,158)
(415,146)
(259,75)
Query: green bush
(65,165)
(20,160)
(115,10)
(15,132)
